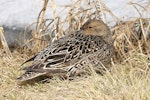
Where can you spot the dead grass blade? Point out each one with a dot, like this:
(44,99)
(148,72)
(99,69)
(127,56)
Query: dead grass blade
(4,43)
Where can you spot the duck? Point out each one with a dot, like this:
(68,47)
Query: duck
(73,54)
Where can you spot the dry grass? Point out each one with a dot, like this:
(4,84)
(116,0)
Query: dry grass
(125,81)
(130,73)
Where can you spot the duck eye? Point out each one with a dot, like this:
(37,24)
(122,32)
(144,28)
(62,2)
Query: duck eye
(90,27)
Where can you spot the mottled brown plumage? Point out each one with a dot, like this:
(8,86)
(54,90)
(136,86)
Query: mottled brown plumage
(72,54)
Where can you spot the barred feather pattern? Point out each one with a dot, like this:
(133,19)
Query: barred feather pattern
(69,55)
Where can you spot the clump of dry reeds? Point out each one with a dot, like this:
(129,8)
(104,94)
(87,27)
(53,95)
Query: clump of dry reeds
(131,37)
(77,13)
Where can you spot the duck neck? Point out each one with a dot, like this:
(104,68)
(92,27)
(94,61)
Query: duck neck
(108,39)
